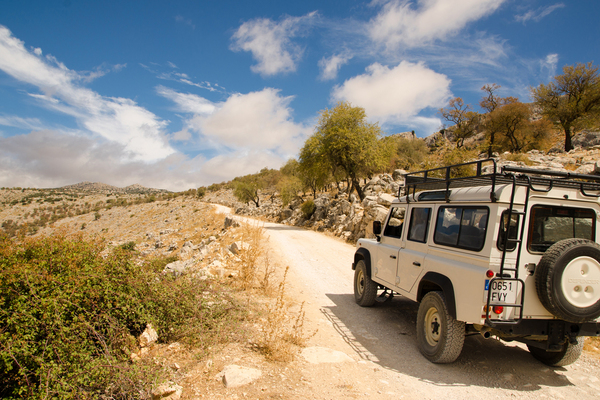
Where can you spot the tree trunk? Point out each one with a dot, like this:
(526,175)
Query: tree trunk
(568,143)
(359,191)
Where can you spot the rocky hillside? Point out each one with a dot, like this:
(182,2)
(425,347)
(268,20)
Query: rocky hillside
(99,187)
(350,219)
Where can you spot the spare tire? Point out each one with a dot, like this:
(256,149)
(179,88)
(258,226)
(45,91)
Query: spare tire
(567,280)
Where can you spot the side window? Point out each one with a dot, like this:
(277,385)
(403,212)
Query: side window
(463,227)
(395,223)
(550,224)
(512,231)
(419,224)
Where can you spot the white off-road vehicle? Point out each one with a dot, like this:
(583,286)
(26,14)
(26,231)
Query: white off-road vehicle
(507,252)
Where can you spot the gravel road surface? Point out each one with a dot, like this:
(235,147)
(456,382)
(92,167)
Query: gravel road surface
(380,342)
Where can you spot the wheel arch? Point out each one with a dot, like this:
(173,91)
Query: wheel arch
(365,255)
(434,281)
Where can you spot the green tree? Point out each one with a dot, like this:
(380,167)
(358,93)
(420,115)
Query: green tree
(571,100)
(409,154)
(515,128)
(291,168)
(490,102)
(349,143)
(314,168)
(288,188)
(464,118)
(246,189)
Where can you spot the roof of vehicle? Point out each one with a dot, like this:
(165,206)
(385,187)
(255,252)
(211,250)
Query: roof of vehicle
(482,180)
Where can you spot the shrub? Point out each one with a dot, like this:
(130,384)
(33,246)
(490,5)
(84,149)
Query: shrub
(289,188)
(69,309)
(129,246)
(308,208)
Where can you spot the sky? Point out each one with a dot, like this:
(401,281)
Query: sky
(182,94)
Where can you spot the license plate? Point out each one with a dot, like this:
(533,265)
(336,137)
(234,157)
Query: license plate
(503,292)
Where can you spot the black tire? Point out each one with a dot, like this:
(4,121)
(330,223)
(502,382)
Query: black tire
(568,355)
(567,280)
(365,290)
(439,335)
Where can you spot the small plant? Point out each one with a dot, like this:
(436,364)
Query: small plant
(283,334)
(252,235)
(129,246)
(308,208)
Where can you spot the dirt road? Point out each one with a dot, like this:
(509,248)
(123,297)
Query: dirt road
(380,342)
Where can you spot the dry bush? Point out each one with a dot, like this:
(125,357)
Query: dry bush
(283,334)
(250,254)
(265,283)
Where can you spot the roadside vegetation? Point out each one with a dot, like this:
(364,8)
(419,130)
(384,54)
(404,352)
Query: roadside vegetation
(71,310)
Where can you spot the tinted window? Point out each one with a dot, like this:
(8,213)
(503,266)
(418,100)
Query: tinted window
(395,223)
(419,223)
(512,231)
(550,224)
(463,227)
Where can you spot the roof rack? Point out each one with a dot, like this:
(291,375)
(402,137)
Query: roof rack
(486,173)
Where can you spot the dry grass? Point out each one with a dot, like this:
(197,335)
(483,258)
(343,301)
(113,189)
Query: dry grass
(250,254)
(283,333)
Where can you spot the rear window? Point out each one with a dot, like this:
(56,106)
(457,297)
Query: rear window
(550,224)
(463,227)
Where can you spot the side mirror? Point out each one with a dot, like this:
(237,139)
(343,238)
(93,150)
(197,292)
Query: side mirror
(377,228)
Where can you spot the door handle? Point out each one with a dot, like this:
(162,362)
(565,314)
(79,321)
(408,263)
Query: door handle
(418,264)
(393,257)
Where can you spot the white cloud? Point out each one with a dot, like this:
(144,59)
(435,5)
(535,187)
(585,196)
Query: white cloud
(187,102)
(185,21)
(19,122)
(257,120)
(249,131)
(253,121)
(54,159)
(116,119)
(538,14)
(548,65)
(399,24)
(330,66)
(270,43)
(396,94)
(226,166)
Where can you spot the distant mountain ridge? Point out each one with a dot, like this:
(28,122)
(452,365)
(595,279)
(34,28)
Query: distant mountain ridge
(103,187)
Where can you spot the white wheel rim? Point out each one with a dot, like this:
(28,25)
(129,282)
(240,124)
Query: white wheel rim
(433,326)
(580,282)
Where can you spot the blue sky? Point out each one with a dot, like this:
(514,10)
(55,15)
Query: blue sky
(182,94)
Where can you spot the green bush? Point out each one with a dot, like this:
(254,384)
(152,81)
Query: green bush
(308,208)
(70,313)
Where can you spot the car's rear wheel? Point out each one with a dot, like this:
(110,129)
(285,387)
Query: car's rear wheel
(568,355)
(365,290)
(439,335)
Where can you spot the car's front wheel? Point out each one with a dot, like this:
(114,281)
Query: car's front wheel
(365,290)
(439,335)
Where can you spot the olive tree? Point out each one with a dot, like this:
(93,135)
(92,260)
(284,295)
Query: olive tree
(347,143)
(571,100)
(464,118)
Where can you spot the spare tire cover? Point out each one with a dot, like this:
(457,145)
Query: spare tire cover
(567,280)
